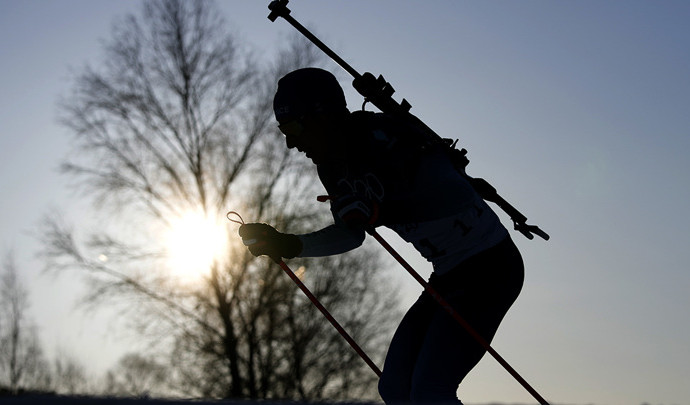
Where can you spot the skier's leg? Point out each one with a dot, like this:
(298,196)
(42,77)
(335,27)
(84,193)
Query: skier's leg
(446,357)
(481,292)
(395,381)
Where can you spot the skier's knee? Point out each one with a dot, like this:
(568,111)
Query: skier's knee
(393,390)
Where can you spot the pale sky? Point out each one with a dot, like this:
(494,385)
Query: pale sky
(577,111)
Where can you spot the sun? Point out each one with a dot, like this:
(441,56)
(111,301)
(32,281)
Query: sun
(193,242)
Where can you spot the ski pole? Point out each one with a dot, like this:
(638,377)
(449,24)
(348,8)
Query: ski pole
(317,304)
(328,316)
(455,315)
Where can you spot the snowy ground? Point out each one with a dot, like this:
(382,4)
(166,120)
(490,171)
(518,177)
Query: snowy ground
(67,400)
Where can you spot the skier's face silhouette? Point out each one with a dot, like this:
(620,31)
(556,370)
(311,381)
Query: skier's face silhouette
(313,134)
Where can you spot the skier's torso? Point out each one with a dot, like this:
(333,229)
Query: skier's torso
(420,194)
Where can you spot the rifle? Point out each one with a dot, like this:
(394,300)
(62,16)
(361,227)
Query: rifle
(379,92)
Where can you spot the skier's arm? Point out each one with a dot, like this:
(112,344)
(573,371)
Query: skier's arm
(263,239)
(331,240)
(351,214)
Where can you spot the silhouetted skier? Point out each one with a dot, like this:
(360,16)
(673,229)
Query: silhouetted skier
(377,175)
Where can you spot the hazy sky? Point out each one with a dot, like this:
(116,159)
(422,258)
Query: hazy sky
(577,111)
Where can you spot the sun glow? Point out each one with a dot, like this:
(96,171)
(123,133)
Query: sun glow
(193,242)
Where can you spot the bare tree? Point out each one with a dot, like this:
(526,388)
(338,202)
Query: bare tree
(136,375)
(22,364)
(68,376)
(178,119)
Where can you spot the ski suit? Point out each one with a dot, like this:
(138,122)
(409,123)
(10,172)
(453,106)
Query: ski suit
(476,267)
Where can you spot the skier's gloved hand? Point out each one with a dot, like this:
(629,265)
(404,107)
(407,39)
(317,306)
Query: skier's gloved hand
(355,210)
(263,239)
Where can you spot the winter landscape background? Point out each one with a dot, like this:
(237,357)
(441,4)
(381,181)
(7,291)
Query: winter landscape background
(576,111)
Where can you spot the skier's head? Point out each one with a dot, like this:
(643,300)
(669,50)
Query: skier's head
(305,91)
(308,104)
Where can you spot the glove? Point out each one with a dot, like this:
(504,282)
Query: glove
(355,210)
(263,239)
